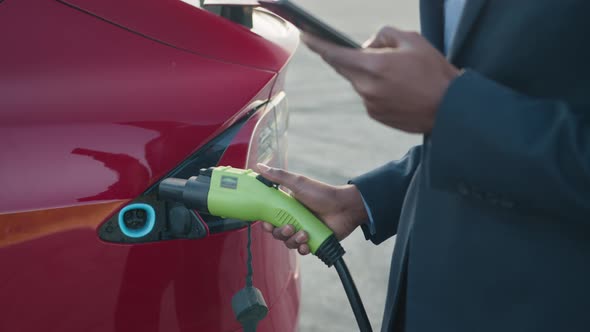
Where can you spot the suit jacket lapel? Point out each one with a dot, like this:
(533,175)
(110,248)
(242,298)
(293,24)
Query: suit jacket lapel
(470,14)
(431,22)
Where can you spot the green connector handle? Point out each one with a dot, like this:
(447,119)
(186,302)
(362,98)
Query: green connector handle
(242,194)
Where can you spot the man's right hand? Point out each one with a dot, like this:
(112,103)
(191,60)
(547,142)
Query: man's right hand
(341,208)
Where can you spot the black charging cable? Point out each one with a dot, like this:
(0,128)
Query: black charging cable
(331,252)
(353,296)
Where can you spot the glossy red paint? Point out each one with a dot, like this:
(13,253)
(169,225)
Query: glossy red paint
(110,106)
(189,28)
(70,281)
(91,115)
(21,227)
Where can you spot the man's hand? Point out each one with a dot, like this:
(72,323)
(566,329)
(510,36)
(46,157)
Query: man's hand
(341,208)
(399,75)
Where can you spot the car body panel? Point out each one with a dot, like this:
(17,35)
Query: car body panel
(78,102)
(179,24)
(75,282)
(91,115)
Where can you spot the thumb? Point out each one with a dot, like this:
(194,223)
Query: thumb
(287,179)
(386,37)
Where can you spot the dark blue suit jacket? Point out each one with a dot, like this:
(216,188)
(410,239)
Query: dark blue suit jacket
(492,212)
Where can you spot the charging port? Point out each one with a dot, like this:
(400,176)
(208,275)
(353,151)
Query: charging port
(137,220)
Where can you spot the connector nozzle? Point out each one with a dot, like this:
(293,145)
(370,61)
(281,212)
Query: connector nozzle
(193,193)
(172,189)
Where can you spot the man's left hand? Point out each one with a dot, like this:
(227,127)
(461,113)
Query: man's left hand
(399,75)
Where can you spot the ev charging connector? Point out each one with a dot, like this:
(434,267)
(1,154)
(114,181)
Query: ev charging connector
(245,195)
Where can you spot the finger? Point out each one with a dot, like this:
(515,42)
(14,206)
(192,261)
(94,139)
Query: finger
(283,233)
(333,54)
(369,42)
(304,249)
(290,180)
(268,227)
(305,190)
(296,240)
(386,37)
(351,74)
(376,114)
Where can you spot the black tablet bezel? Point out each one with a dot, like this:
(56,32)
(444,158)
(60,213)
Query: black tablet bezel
(307,22)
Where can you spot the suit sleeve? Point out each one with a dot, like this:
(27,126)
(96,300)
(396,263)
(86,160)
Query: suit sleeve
(511,150)
(383,191)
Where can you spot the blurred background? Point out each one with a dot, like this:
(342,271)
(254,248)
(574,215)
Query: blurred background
(332,139)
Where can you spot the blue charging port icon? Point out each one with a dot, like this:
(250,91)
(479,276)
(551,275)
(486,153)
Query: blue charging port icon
(137,220)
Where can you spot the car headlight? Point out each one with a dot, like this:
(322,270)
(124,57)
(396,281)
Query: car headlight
(269,139)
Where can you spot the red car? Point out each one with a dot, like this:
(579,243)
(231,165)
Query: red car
(99,101)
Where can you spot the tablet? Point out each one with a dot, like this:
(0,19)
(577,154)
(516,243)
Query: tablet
(307,22)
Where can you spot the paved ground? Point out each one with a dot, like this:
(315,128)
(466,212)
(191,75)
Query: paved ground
(332,139)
